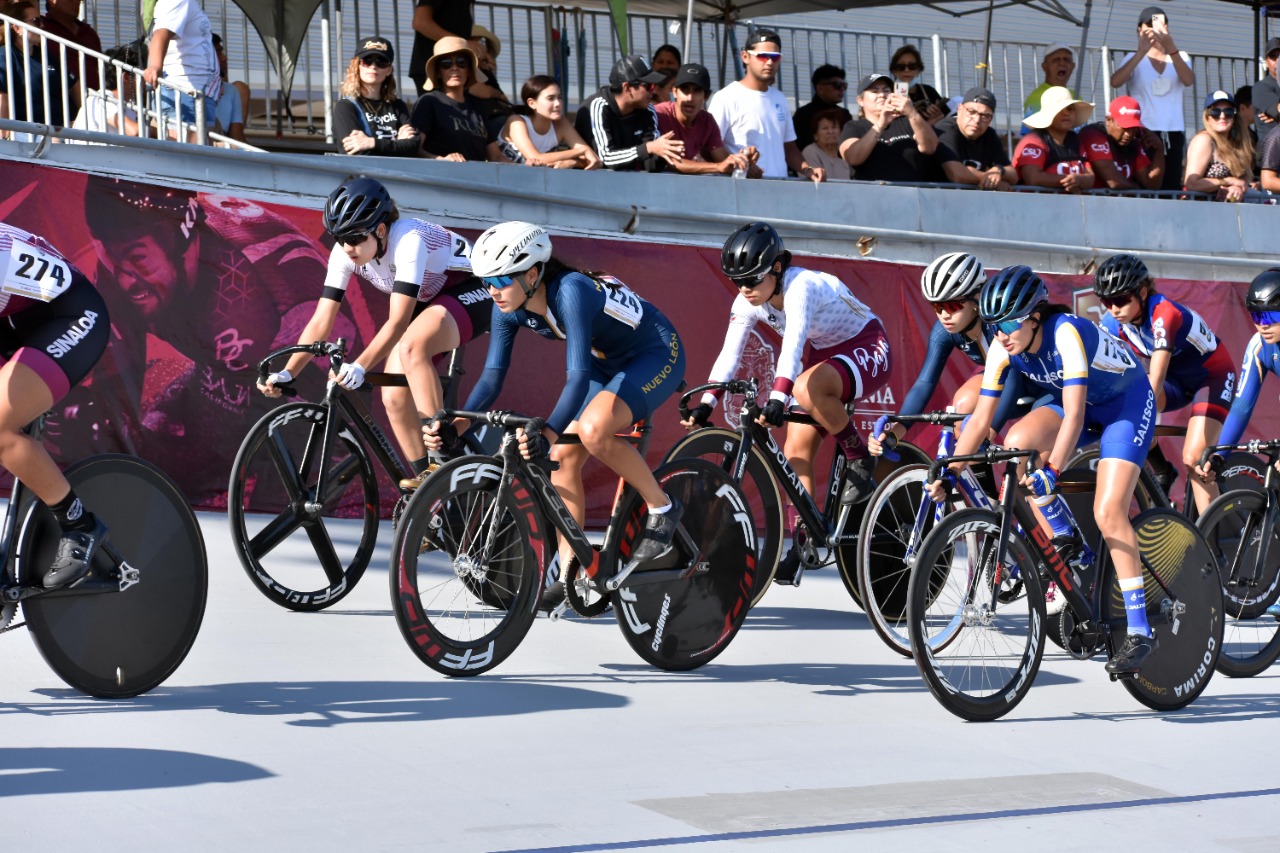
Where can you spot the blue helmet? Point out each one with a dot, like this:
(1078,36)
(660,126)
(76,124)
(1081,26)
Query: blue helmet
(1012,294)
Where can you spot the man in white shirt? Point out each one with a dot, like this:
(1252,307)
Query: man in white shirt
(751,113)
(181,51)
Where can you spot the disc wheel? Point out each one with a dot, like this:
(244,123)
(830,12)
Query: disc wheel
(298,556)
(1190,640)
(467,567)
(681,623)
(1234,527)
(116,644)
(978,653)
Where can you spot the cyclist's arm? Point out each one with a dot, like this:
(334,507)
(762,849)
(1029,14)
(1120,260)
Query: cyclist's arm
(1075,389)
(791,357)
(1247,389)
(940,347)
(502,330)
(1166,321)
(578,315)
(1156,373)
(399,316)
(995,378)
(1008,401)
(318,329)
(741,320)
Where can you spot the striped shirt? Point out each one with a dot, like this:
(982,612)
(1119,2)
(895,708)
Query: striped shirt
(418,257)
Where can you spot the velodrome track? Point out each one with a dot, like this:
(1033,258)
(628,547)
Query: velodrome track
(322,732)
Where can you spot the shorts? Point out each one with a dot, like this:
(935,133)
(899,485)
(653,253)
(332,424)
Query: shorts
(862,362)
(645,380)
(186,107)
(1217,373)
(1123,426)
(60,340)
(469,304)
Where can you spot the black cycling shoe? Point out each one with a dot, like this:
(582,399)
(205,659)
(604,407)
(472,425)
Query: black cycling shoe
(789,569)
(1163,471)
(858,483)
(659,530)
(1072,550)
(75,554)
(551,598)
(1132,654)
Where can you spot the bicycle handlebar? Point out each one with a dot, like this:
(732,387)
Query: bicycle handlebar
(1215,462)
(991,455)
(936,418)
(748,388)
(506,420)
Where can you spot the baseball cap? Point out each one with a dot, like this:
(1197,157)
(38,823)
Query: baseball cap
(634,69)
(979,95)
(375,46)
(1144,17)
(1126,112)
(871,79)
(1273,44)
(761,35)
(695,74)
(1057,46)
(1219,95)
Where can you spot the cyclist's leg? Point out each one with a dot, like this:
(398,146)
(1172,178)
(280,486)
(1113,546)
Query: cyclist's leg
(1037,431)
(460,313)
(567,479)
(1207,417)
(405,424)
(24,396)
(966,397)
(801,448)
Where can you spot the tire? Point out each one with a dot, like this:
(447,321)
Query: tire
(274,474)
(1233,528)
(978,661)
(1178,671)
(765,499)
(463,612)
(119,644)
(684,622)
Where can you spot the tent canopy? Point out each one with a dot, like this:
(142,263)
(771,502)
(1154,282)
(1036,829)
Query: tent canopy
(719,9)
(282,26)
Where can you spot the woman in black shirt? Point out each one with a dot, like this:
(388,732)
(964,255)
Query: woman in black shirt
(450,120)
(370,119)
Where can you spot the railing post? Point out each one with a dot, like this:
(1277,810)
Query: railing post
(937,62)
(326,51)
(1106,76)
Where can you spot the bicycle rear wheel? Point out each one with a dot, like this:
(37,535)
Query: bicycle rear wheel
(467,567)
(1190,640)
(118,644)
(977,650)
(681,623)
(1234,528)
(302,558)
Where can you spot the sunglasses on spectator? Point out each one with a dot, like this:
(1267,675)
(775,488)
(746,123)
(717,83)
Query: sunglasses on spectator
(906,66)
(450,61)
(980,116)
(375,62)
(748,281)
(766,55)
(1116,301)
(950,306)
(1222,112)
(1265,318)
(351,239)
(1008,327)
(839,84)
(499,282)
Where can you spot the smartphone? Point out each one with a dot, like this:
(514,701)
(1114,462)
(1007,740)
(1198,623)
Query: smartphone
(1159,22)
(900,87)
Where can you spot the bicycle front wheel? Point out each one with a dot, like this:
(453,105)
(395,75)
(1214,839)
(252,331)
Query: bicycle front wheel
(467,567)
(302,550)
(978,650)
(118,644)
(1235,530)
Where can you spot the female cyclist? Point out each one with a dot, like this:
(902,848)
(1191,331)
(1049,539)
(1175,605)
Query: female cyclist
(1185,356)
(410,260)
(623,358)
(1097,386)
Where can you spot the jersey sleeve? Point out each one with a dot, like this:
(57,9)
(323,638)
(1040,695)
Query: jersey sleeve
(502,331)
(1166,321)
(1096,145)
(418,253)
(996,374)
(940,347)
(742,318)
(338,274)
(1071,353)
(1030,152)
(576,312)
(1252,372)
(796,305)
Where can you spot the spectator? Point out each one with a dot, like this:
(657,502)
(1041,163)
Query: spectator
(62,19)
(829,87)
(182,53)
(969,150)
(667,60)
(495,104)
(370,119)
(1269,162)
(101,109)
(824,151)
(1244,106)
(1220,157)
(619,121)
(432,21)
(234,102)
(752,114)
(1058,64)
(1157,73)
(686,120)
(1123,153)
(891,141)
(1049,155)
(906,66)
(449,117)
(1266,92)
(39,70)
(539,134)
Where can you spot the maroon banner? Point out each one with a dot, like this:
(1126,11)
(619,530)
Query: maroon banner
(200,286)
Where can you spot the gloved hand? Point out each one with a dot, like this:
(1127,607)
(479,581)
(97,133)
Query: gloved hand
(533,444)
(271,386)
(1043,480)
(699,415)
(350,375)
(773,412)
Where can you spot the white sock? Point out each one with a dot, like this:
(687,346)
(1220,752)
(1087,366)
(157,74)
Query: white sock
(662,510)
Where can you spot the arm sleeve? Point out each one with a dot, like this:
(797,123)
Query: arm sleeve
(1251,375)
(996,374)
(1166,321)
(502,332)
(397,147)
(611,155)
(791,358)
(345,120)
(338,274)
(577,313)
(940,347)
(1075,361)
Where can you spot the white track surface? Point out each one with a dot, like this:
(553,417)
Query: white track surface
(322,732)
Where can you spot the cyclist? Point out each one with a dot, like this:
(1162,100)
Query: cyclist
(623,359)
(1097,386)
(409,259)
(56,328)
(849,357)
(951,284)
(1185,356)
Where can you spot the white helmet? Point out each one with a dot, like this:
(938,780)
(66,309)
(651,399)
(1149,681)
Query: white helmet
(509,248)
(956,275)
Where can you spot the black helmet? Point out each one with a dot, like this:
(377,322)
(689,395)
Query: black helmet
(1120,274)
(1011,294)
(751,250)
(357,206)
(1264,292)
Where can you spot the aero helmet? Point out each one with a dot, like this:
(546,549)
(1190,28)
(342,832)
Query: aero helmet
(751,250)
(1264,291)
(1120,274)
(1012,294)
(357,206)
(956,275)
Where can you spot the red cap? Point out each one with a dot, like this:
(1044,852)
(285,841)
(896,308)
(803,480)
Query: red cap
(1126,112)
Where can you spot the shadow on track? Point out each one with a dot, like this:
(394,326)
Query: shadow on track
(59,770)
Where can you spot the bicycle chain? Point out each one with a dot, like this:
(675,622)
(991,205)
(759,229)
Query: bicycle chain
(7,611)
(1071,640)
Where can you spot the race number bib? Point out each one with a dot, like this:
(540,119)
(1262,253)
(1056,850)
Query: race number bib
(461,258)
(1112,356)
(34,273)
(621,303)
(1201,336)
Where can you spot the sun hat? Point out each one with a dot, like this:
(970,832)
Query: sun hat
(1054,100)
(446,46)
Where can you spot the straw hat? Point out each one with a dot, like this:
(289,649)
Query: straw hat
(445,47)
(1054,100)
(495,44)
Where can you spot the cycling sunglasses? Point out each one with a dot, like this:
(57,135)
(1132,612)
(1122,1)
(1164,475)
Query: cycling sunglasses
(748,281)
(766,55)
(351,239)
(1116,301)
(499,282)
(1265,318)
(1008,327)
(950,306)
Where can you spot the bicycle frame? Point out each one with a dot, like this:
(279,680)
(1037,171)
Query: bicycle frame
(1271,486)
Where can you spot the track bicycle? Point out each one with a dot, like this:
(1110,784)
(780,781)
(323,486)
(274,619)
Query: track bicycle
(979,648)
(1242,528)
(127,625)
(474,543)
(305,469)
(753,460)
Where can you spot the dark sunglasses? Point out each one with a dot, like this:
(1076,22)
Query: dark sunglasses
(1222,112)
(950,306)
(748,281)
(839,84)
(499,282)
(351,239)
(1265,318)
(1116,301)
(375,61)
(906,66)
(450,61)
(1008,327)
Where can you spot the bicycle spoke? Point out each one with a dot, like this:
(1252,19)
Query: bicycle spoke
(283,459)
(276,531)
(341,474)
(323,545)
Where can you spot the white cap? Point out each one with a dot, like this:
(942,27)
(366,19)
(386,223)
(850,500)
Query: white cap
(1057,46)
